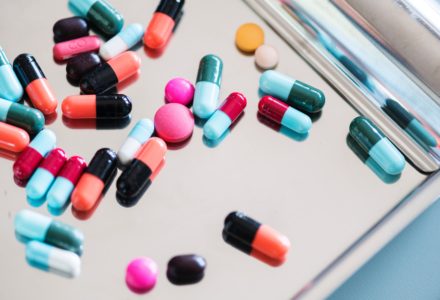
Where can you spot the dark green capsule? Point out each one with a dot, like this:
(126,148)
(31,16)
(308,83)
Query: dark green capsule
(365,133)
(30,119)
(210,69)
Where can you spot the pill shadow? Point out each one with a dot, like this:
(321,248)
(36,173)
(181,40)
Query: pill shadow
(189,105)
(297,137)
(9,155)
(215,143)
(99,124)
(261,70)
(180,145)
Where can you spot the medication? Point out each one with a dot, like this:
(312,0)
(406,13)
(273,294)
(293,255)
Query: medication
(374,142)
(92,183)
(44,176)
(186,269)
(208,82)
(266,57)
(33,154)
(109,74)
(134,178)
(70,29)
(281,113)
(52,259)
(138,135)
(100,124)
(179,90)
(249,37)
(224,116)
(68,49)
(100,14)
(34,226)
(80,65)
(96,106)
(124,40)
(27,118)
(141,275)
(294,92)
(10,87)
(13,139)
(174,122)
(161,26)
(35,83)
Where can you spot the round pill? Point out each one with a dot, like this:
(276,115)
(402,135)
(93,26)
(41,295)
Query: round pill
(80,65)
(249,37)
(179,90)
(174,122)
(266,57)
(69,29)
(186,269)
(141,275)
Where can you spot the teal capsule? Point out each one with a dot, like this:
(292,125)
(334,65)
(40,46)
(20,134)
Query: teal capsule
(379,147)
(294,92)
(10,87)
(30,119)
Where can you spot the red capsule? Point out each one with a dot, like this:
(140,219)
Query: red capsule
(73,169)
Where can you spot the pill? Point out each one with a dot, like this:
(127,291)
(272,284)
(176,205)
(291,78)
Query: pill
(12,138)
(174,122)
(91,185)
(266,57)
(109,74)
(294,92)
(141,275)
(68,49)
(100,124)
(96,106)
(45,174)
(10,87)
(35,83)
(161,26)
(379,147)
(285,115)
(34,226)
(186,269)
(69,29)
(124,40)
(254,238)
(33,154)
(134,178)
(179,90)
(27,118)
(249,37)
(80,65)
(138,135)
(207,89)
(100,14)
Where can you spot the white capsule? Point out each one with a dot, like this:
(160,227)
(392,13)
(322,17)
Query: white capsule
(124,40)
(140,133)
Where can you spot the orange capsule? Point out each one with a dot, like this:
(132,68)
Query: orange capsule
(12,138)
(96,106)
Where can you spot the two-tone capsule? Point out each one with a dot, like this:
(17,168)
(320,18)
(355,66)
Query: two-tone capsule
(140,133)
(124,40)
(68,49)
(13,139)
(80,65)
(10,87)
(96,107)
(208,83)
(224,116)
(69,29)
(27,118)
(294,92)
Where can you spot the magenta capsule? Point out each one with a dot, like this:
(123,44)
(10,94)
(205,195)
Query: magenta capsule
(68,49)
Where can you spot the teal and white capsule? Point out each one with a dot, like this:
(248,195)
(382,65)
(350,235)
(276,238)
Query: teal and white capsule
(10,87)
(207,89)
(379,147)
(124,40)
(52,259)
(30,119)
(138,135)
(294,92)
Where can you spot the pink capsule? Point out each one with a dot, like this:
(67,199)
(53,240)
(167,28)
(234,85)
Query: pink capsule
(65,50)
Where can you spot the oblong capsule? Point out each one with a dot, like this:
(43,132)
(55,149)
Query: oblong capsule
(379,147)
(69,29)
(27,118)
(161,26)
(35,83)
(208,82)
(80,65)
(12,138)
(68,49)
(285,115)
(138,135)
(91,185)
(294,92)
(124,40)
(33,154)
(34,226)
(10,87)
(224,116)
(112,72)
(136,175)
(96,106)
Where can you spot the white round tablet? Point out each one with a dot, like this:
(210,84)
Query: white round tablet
(266,57)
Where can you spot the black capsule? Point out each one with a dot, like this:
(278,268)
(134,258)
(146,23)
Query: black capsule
(103,164)
(96,107)
(172,8)
(69,29)
(80,65)
(186,269)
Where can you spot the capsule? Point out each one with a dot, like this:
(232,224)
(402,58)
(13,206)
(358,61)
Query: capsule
(140,133)
(96,107)
(91,185)
(80,65)
(10,87)
(374,142)
(35,83)
(68,49)
(109,74)
(285,115)
(294,92)
(13,139)
(33,154)
(161,26)
(99,124)
(208,82)
(34,226)
(69,29)
(100,14)
(223,117)
(27,118)
(124,40)
(136,175)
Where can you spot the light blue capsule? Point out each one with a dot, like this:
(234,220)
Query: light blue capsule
(205,99)
(387,156)
(296,121)
(44,142)
(31,225)
(10,87)
(418,131)
(216,125)
(39,184)
(58,196)
(140,133)
(124,40)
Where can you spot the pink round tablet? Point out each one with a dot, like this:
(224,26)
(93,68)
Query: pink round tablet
(179,90)
(141,275)
(174,122)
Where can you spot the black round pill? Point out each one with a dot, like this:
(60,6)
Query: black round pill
(69,29)
(80,65)
(186,269)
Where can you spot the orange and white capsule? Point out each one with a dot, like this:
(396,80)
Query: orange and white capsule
(12,138)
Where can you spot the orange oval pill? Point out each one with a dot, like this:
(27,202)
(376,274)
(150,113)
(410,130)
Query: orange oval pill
(12,138)
(249,37)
